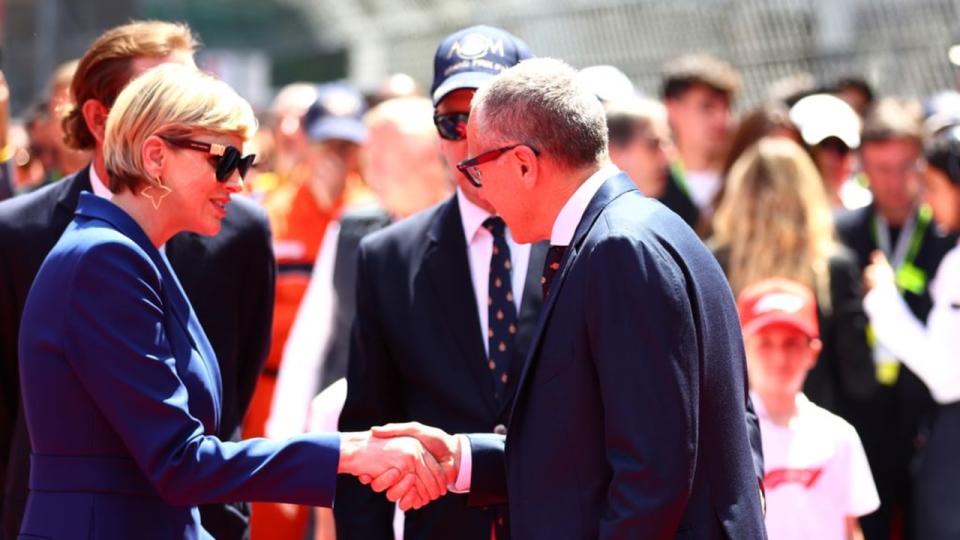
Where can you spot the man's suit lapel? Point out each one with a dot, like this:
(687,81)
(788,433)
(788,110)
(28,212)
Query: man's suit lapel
(448,270)
(611,189)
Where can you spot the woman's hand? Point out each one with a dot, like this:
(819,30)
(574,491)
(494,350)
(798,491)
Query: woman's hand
(878,272)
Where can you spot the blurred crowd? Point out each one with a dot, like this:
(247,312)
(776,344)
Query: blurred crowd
(808,186)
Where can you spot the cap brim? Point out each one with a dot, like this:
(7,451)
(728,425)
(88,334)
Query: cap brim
(344,129)
(458,81)
(776,319)
(815,135)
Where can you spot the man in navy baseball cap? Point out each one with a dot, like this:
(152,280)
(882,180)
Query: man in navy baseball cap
(455,264)
(470,57)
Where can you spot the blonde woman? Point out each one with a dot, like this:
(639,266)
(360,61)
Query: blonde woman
(775,221)
(125,450)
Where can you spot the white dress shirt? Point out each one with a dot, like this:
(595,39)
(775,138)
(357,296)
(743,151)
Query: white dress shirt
(479,251)
(932,352)
(703,187)
(564,226)
(99,188)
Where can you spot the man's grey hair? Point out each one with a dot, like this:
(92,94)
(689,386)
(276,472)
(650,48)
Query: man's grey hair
(541,103)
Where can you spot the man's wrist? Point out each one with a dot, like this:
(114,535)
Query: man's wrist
(464,465)
(350,445)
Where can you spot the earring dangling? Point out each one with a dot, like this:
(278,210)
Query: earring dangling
(156,198)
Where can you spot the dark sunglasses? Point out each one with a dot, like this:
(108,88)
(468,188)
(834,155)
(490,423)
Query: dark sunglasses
(470,167)
(227,157)
(452,126)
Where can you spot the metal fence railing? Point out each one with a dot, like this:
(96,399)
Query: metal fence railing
(899,46)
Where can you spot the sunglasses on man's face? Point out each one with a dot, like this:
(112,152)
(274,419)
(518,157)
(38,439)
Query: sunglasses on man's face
(227,157)
(452,126)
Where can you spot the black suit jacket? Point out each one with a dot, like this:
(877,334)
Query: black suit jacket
(676,199)
(630,420)
(228,278)
(417,354)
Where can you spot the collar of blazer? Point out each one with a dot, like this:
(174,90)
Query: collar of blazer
(69,195)
(92,206)
(612,188)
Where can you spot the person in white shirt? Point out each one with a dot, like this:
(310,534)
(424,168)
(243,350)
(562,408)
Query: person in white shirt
(931,350)
(698,91)
(816,476)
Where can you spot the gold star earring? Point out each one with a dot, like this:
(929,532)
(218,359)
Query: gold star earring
(156,198)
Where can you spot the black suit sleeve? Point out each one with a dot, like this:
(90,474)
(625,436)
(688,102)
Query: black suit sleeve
(641,333)
(845,337)
(257,316)
(372,399)
(232,521)
(488,479)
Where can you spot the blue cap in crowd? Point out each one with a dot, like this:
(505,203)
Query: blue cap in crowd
(336,114)
(470,57)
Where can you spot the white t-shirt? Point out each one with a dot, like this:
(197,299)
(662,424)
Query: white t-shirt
(815,474)
(703,186)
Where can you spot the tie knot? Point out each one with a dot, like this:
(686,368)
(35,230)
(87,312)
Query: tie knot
(495,225)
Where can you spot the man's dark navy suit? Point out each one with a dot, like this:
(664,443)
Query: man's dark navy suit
(229,279)
(632,418)
(417,354)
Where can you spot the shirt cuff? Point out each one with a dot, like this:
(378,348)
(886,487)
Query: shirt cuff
(465,474)
(880,299)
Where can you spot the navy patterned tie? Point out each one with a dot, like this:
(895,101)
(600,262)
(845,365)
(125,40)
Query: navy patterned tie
(550,266)
(502,311)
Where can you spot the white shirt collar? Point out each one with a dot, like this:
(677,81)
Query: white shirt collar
(803,405)
(471,215)
(572,211)
(99,188)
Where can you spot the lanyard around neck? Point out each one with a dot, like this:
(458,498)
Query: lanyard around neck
(909,241)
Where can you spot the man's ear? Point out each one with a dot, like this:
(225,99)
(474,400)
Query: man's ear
(95,115)
(528,165)
(815,347)
(153,152)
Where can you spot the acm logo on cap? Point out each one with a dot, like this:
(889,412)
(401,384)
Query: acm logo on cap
(474,46)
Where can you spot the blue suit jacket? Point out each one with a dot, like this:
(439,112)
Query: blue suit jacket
(631,416)
(121,391)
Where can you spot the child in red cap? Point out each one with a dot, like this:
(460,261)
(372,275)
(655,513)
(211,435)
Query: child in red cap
(816,476)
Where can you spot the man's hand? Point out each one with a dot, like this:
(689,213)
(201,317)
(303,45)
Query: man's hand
(444,447)
(401,465)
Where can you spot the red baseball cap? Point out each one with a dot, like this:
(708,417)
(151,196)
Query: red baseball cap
(778,301)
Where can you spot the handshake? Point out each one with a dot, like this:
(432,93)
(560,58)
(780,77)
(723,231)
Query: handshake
(411,462)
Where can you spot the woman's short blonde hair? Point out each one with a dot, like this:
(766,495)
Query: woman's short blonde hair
(170,100)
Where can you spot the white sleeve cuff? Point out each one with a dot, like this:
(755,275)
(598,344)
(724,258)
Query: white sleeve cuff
(465,474)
